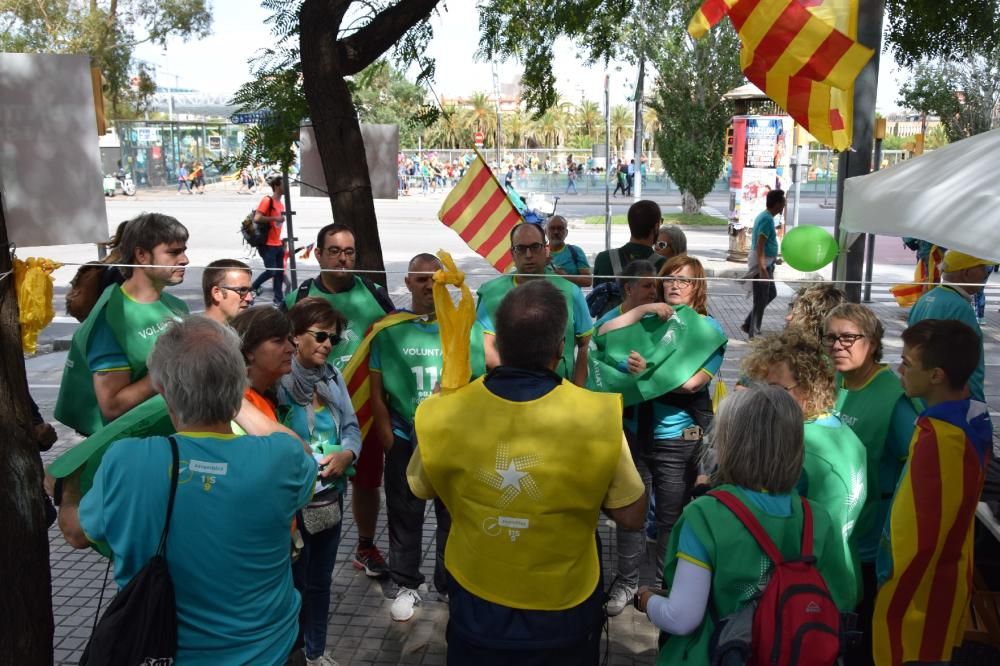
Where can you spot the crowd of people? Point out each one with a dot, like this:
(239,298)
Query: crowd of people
(825,459)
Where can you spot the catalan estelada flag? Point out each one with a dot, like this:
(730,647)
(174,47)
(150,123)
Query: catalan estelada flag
(357,376)
(925,556)
(802,53)
(478,210)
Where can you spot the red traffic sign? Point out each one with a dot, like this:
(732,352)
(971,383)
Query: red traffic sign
(477,138)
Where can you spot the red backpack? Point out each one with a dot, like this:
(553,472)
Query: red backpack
(795,621)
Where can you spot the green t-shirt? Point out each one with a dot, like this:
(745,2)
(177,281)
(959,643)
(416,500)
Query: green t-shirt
(834,475)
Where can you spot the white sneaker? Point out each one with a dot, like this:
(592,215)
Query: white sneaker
(323,660)
(619,597)
(402,607)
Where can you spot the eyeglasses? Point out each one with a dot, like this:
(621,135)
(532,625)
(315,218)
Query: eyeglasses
(323,336)
(680,281)
(242,292)
(533,248)
(846,340)
(337,251)
(661,245)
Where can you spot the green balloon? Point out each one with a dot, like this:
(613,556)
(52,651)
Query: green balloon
(808,248)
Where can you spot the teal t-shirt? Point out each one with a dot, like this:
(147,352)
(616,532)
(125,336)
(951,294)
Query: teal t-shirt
(943,302)
(323,437)
(764,226)
(228,548)
(570,259)
(579,312)
(426,379)
(104,354)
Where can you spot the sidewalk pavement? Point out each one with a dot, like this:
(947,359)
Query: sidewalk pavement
(361,631)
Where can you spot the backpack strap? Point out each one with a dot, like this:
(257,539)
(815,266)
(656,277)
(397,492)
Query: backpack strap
(616,261)
(807,529)
(303,290)
(174,472)
(733,503)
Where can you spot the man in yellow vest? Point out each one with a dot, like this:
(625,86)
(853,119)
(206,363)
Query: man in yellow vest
(525,462)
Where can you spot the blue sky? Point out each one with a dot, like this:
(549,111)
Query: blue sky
(218,63)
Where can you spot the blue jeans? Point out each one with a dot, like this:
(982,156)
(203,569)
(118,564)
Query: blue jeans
(312,574)
(274,260)
(979,300)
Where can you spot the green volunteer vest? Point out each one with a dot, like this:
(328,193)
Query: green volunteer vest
(411,363)
(359,308)
(674,350)
(835,477)
(740,569)
(491,293)
(868,412)
(135,327)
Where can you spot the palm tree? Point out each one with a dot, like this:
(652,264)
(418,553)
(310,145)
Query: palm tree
(589,117)
(516,128)
(621,127)
(651,125)
(549,126)
(451,124)
(482,117)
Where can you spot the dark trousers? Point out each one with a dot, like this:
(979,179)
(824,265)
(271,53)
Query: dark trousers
(405,513)
(668,469)
(274,260)
(312,574)
(860,653)
(763,293)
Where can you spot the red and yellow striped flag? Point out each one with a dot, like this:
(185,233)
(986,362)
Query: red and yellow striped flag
(801,53)
(478,210)
(357,376)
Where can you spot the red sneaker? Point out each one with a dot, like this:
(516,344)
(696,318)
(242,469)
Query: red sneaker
(370,560)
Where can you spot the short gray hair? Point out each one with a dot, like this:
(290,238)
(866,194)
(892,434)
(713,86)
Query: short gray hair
(197,366)
(758,439)
(676,237)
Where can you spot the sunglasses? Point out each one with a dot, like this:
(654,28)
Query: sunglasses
(242,292)
(322,336)
(661,245)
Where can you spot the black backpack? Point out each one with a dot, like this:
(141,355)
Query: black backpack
(606,295)
(255,233)
(140,624)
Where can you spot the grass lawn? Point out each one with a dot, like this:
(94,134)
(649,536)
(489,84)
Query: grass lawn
(697,220)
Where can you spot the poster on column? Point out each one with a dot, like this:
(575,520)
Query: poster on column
(766,158)
(753,194)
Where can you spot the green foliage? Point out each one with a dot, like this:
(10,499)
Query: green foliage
(689,105)
(107,30)
(964,93)
(383,95)
(920,29)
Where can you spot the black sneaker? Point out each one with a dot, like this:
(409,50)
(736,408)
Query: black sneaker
(370,561)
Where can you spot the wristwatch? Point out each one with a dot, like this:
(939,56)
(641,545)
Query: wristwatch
(636,601)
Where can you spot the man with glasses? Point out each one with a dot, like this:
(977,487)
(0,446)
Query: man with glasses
(962,277)
(530,252)
(225,286)
(405,364)
(361,302)
(565,259)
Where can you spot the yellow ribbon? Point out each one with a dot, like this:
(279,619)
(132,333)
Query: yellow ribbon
(33,282)
(454,323)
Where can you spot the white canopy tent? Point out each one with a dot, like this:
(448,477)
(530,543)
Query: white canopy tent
(950,197)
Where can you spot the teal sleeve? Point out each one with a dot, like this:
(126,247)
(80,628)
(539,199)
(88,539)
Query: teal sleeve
(103,351)
(91,509)
(901,425)
(714,362)
(691,546)
(582,323)
(580,257)
(375,354)
(484,318)
(304,469)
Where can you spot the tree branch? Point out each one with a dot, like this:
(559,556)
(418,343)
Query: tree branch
(369,43)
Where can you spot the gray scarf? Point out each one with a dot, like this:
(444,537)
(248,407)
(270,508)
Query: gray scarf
(303,383)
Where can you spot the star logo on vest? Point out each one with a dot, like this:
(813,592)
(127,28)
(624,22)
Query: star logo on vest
(509,475)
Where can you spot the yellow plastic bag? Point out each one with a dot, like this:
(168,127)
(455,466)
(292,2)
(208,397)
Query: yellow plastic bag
(33,282)
(719,394)
(454,323)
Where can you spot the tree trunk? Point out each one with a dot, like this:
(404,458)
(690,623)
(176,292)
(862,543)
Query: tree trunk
(26,615)
(690,205)
(338,134)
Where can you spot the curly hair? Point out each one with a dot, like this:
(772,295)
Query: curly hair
(811,305)
(806,360)
(699,288)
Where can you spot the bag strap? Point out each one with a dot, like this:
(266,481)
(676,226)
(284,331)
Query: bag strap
(733,503)
(807,529)
(174,472)
(616,261)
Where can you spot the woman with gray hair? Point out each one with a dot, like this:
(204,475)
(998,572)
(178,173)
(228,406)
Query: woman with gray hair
(670,241)
(227,545)
(714,565)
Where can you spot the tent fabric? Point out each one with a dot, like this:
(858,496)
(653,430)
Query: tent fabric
(949,197)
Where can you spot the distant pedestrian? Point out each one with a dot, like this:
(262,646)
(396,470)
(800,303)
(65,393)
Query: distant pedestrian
(183,181)
(630,178)
(571,180)
(763,253)
(270,210)
(620,183)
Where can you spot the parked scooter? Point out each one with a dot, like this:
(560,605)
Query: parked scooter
(119,181)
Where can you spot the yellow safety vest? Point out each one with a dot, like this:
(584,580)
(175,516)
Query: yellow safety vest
(524,482)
